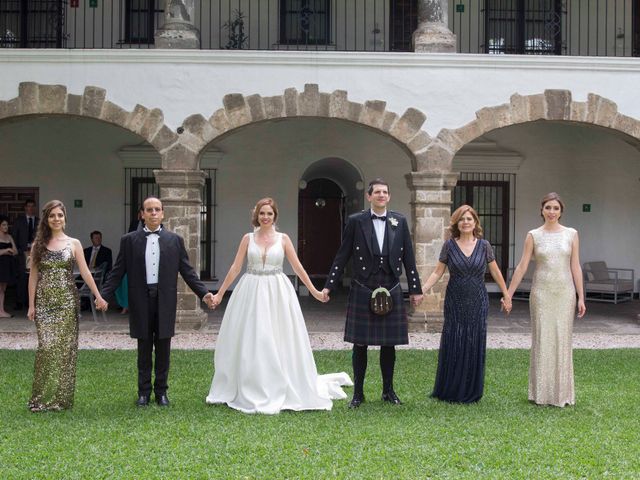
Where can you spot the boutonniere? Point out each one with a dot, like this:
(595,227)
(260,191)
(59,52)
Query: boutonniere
(393,221)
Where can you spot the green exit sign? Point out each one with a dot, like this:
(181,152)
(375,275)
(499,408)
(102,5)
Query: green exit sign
(93,3)
(77,203)
(460,8)
(586,207)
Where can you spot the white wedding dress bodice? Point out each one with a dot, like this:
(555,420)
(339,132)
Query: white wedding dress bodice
(263,358)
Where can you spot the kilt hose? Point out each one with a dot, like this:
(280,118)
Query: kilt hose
(364,327)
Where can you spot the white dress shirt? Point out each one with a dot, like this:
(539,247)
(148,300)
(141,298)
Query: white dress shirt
(379,227)
(152,257)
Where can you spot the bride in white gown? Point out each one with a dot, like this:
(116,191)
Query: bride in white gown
(263,358)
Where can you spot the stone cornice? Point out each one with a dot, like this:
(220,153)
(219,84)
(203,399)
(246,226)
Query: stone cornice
(482,155)
(487,163)
(145,156)
(364,59)
(140,156)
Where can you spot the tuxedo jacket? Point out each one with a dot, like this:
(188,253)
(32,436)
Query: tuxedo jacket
(21,232)
(104,255)
(357,243)
(173,260)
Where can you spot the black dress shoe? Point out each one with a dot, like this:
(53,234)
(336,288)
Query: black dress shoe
(162,400)
(391,397)
(143,401)
(356,401)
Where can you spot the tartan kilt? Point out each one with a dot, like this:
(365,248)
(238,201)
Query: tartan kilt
(364,327)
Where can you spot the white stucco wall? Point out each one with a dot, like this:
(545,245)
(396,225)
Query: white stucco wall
(447,88)
(584,165)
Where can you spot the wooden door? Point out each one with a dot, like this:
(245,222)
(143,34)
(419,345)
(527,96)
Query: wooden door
(319,225)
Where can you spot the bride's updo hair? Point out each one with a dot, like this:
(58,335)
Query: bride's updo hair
(549,197)
(261,203)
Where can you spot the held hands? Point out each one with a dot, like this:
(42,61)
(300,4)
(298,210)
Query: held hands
(506,305)
(325,294)
(321,296)
(101,304)
(416,299)
(212,300)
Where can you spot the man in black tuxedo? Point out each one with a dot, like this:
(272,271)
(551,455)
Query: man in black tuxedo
(379,242)
(97,254)
(24,231)
(152,257)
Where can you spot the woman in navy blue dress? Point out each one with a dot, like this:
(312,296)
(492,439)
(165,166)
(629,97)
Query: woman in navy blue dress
(460,375)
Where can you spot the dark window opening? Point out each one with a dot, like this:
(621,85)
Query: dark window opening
(140,20)
(489,195)
(532,27)
(32,23)
(305,22)
(403,22)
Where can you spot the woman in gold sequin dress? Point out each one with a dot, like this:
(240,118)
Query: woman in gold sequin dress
(55,308)
(557,279)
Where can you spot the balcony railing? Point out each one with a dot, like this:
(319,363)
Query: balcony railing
(547,27)
(536,27)
(356,25)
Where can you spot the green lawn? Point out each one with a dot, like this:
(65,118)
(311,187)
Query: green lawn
(503,436)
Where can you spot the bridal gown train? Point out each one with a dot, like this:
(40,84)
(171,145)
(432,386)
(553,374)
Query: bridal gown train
(263,358)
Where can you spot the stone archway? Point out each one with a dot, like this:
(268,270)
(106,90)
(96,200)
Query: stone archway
(434,180)
(37,99)
(197,132)
(179,190)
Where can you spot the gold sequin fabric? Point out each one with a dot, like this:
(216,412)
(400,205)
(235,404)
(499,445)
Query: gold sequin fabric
(552,306)
(57,313)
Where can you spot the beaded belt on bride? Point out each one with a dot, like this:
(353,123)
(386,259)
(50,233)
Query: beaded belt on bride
(255,271)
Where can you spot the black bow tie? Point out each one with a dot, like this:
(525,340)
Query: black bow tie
(146,233)
(376,217)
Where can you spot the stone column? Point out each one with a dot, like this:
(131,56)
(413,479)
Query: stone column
(431,210)
(181,195)
(433,34)
(178,30)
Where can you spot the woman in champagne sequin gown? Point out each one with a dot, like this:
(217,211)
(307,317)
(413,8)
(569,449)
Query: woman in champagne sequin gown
(552,302)
(54,306)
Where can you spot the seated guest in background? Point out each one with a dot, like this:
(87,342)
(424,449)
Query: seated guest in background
(98,254)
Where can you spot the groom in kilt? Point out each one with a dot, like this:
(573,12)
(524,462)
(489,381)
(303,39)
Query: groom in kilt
(379,242)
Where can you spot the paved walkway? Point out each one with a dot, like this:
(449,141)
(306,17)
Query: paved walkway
(604,326)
